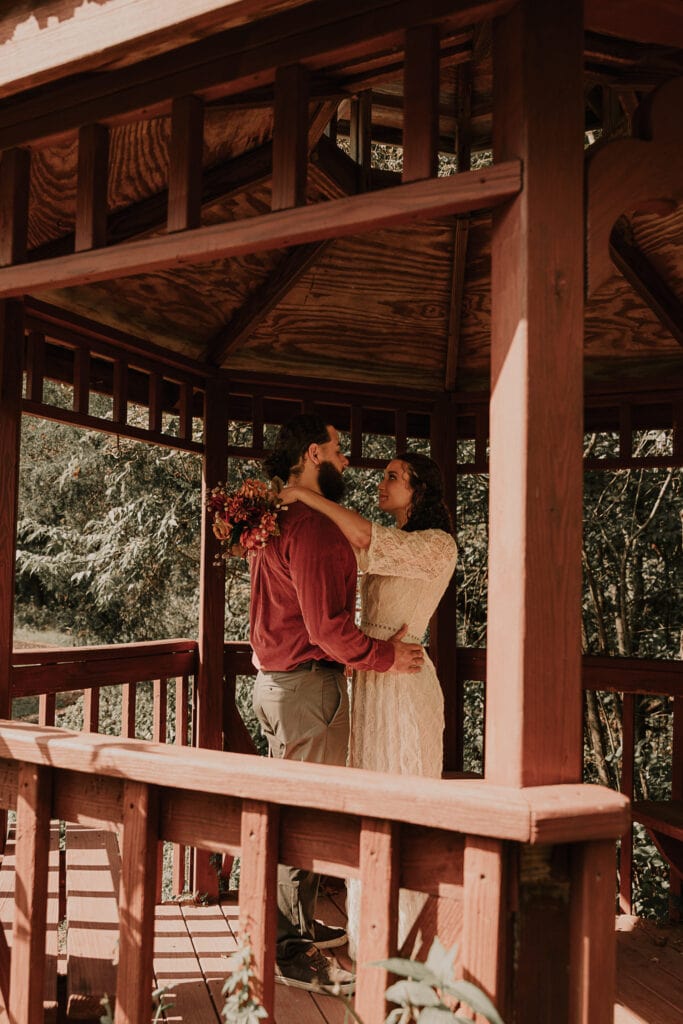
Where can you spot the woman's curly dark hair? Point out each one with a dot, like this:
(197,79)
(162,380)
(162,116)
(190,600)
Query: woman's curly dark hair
(292,444)
(428,510)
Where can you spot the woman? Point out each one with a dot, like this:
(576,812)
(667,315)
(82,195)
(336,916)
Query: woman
(397,720)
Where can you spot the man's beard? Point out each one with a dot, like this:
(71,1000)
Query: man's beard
(331,482)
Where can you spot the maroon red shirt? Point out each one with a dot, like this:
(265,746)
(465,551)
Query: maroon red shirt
(303,595)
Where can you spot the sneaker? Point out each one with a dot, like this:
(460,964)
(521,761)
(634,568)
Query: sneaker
(311,970)
(327,937)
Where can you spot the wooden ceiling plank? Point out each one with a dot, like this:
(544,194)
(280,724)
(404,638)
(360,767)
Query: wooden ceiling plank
(421,103)
(459,193)
(185,163)
(642,276)
(290,137)
(15,168)
(226,63)
(262,300)
(91,193)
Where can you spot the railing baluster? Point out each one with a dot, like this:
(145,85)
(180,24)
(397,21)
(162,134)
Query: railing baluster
(27,966)
(128,704)
(46,708)
(136,903)
(592,970)
(182,708)
(675,882)
(91,710)
(35,366)
(159,736)
(626,786)
(379,872)
(258,880)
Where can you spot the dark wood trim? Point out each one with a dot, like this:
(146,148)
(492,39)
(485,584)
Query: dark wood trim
(418,200)
(360,138)
(460,236)
(290,137)
(227,63)
(91,193)
(421,103)
(15,169)
(185,161)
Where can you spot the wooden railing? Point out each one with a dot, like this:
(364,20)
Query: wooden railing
(631,677)
(47,672)
(451,839)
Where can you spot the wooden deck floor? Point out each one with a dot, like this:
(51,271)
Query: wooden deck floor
(193,944)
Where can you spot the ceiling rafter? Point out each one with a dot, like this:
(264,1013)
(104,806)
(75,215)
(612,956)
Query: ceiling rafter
(644,279)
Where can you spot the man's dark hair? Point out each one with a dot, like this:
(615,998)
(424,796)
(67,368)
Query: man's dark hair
(293,442)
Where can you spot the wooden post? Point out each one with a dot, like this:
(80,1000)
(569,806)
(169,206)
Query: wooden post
(211,602)
(533,728)
(185,163)
(484,940)
(27,965)
(360,137)
(379,870)
(593,964)
(443,639)
(11,347)
(15,169)
(290,137)
(258,881)
(136,903)
(421,103)
(91,194)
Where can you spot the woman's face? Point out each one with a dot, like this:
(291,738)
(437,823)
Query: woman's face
(395,491)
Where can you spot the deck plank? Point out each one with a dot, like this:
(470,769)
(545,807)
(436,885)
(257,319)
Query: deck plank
(649,973)
(176,965)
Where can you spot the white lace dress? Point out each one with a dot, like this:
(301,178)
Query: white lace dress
(397,720)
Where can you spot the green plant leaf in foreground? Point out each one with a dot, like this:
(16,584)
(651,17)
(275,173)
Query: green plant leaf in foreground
(475,998)
(412,993)
(407,969)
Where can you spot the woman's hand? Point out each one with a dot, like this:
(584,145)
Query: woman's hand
(288,495)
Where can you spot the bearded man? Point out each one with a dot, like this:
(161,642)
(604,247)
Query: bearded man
(303,595)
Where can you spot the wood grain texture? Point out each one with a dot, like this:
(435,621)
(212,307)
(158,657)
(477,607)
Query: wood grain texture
(136,903)
(92,190)
(485,942)
(176,964)
(554,813)
(592,943)
(93,869)
(417,200)
(421,103)
(14,197)
(185,163)
(290,137)
(29,928)
(533,737)
(258,879)
(379,860)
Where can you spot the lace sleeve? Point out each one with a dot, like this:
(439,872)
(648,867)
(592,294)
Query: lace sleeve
(422,555)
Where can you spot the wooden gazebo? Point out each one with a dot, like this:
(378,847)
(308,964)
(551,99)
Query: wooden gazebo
(191,222)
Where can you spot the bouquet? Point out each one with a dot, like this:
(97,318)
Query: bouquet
(245,519)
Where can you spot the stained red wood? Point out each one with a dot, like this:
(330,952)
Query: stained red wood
(81,381)
(379,859)
(185,163)
(485,942)
(46,709)
(91,195)
(421,103)
(14,191)
(592,983)
(533,730)
(628,711)
(128,702)
(11,341)
(351,215)
(35,365)
(92,891)
(120,393)
(27,967)
(655,292)
(258,879)
(290,137)
(360,138)
(91,710)
(136,903)
(182,711)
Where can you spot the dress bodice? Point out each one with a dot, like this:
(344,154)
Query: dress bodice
(404,576)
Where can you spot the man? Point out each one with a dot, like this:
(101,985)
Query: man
(303,589)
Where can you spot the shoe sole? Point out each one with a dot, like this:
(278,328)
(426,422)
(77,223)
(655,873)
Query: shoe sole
(333,943)
(343,989)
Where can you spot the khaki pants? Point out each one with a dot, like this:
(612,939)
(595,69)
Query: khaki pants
(304,715)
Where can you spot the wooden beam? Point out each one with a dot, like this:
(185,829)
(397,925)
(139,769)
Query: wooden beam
(185,163)
(290,137)
(15,167)
(642,276)
(258,882)
(421,103)
(227,63)
(360,138)
(533,699)
(459,193)
(263,299)
(91,193)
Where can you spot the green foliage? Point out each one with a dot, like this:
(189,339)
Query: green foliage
(241,1005)
(427,992)
(160,1005)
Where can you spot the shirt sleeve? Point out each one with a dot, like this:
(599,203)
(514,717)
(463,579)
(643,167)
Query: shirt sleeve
(421,555)
(323,572)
